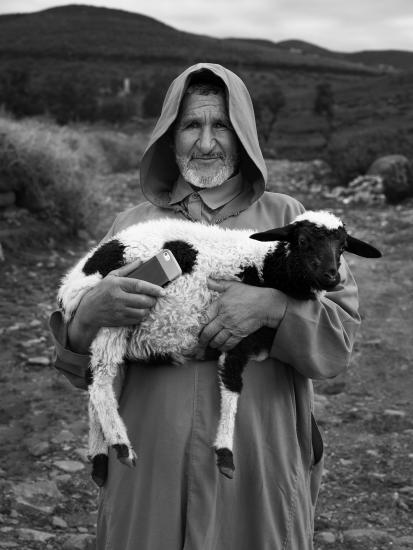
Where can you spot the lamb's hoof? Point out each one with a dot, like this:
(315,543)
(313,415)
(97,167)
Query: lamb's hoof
(100,469)
(125,455)
(225,462)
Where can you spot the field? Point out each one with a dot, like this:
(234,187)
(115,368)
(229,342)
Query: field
(47,499)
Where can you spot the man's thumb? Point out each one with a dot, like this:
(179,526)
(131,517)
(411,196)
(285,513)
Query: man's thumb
(218,286)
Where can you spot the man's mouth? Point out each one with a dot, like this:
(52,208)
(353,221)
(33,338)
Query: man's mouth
(207,159)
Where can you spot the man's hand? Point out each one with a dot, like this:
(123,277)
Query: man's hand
(239,311)
(115,301)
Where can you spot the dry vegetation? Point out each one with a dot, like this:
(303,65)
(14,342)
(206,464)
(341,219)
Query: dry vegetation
(55,170)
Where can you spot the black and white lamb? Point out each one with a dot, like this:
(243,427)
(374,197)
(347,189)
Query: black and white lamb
(301,259)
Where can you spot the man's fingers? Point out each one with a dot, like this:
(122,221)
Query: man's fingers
(137,286)
(209,332)
(220,339)
(135,316)
(218,285)
(138,301)
(230,343)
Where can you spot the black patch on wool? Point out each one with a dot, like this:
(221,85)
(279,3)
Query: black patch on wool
(249,275)
(106,258)
(185,254)
(231,371)
(121,449)
(225,462)
(100,469)
(211,354)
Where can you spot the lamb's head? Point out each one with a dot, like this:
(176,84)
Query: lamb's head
(314,243)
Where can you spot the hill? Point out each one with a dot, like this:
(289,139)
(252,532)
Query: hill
(79,33)
(381,59)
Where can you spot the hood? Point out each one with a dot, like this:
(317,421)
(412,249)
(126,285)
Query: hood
(158,168)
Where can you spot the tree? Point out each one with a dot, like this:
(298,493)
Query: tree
(16,92)
(267,105)
(155,94)
(324,106)
(70,97)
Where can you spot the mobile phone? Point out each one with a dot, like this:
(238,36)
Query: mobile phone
(159,270)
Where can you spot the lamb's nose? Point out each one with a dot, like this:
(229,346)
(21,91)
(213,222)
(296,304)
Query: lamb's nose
(330,275)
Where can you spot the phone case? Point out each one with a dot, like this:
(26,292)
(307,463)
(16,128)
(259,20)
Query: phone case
(159,270)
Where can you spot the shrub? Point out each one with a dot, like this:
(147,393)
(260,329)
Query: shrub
(121,152)
(351,155)
(117,110)
(50,171)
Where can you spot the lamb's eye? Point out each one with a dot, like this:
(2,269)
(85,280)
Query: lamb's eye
(302,241)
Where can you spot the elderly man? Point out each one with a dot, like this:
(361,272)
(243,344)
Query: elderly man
(204,163)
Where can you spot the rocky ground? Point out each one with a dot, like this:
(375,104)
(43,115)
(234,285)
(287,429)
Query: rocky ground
(47,500)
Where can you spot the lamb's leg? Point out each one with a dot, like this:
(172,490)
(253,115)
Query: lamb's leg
(106,364)
(231,365)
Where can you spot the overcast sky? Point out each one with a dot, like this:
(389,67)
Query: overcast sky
(341,25)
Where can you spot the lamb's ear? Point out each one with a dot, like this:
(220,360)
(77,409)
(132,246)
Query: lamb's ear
(276,234)
(356,246)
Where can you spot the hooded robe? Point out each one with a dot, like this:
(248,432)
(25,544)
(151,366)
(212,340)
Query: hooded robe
(175,498)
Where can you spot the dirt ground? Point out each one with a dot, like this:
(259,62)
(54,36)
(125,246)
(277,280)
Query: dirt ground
(366,415)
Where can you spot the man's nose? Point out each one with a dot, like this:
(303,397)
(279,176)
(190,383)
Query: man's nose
(206,140)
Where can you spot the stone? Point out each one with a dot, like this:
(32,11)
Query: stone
(326,537)
(34,535)
(394,413)
(366,536)
(397,174)
(41,361)
(78,427)
(62,478)
(33,342)
(63,436)
(59,522)
(79,542)
(30,489)
(38,448)
(406,541)
(27,507)
(70,466)
(38,497)
(82,453)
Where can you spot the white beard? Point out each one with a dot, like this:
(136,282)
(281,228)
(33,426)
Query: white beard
(192,176)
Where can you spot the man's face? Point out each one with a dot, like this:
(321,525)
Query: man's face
(206,146)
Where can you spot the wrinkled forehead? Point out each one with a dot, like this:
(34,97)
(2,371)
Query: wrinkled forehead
(199,105)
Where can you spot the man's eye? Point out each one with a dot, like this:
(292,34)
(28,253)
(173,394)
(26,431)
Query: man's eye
(221,125)
(192,124)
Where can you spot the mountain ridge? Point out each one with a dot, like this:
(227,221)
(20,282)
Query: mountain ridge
(77,31)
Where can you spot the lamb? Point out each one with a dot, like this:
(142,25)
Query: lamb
(301,259)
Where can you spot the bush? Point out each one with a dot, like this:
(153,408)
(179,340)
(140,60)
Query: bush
(50,170)
(351,155)
(121,152)
(117,110)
